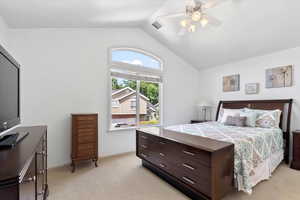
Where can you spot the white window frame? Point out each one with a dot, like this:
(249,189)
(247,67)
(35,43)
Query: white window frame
(138,69)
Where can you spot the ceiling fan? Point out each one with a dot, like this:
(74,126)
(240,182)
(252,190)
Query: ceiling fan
(194,16)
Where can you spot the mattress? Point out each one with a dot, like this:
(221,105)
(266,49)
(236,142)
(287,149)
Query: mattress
(257,151)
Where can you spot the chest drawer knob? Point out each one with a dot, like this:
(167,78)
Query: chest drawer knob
(144,137)
(40,193)
(162,165)
(188,180)
(188,166)
(163,143)
(29,180)
(144,155)
(188,153)
(43,153)
(161,154)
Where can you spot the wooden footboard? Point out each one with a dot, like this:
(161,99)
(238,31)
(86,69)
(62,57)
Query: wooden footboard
(199,167)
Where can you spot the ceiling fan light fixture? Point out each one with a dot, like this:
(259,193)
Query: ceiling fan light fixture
(196,16)
(184,23)
(203,21)
(192,28)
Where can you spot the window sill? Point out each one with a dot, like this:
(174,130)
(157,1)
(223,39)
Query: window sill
(130,128)
(122,129)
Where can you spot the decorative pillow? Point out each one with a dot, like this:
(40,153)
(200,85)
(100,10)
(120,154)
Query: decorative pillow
(229,112)
(251,118)
(236,121)
(266,118)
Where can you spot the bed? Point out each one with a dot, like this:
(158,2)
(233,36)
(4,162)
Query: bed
(233,157)
(257,151)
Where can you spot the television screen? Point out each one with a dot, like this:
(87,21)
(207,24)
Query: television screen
(9,91)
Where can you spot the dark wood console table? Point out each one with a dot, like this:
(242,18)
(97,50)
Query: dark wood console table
(23,169)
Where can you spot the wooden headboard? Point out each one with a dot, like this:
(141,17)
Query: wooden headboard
(285,105)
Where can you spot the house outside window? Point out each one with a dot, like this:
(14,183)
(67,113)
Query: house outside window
(136,88)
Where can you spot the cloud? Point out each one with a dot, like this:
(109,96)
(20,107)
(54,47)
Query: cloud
(134,62)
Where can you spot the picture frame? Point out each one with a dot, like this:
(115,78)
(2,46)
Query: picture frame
(279,77)
(231,83)
(252,88)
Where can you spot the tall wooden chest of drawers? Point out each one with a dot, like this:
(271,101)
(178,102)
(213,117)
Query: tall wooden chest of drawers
(84,138)
(296,150)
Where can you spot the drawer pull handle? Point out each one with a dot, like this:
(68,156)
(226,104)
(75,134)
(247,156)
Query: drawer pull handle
(188,180)
(188,166)
(29,180)
(40,193)
(163,143)
(41,172)
(144,137)
(43,153)
(161,154)
(143,155)
(188,153)
(144,146)
(161,165)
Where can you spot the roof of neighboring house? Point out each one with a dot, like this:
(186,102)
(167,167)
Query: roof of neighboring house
(128,94)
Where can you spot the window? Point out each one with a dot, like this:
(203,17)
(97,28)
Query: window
(133,104)
(136,82)
(115,103)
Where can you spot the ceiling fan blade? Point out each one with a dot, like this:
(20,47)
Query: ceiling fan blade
(171,15)
(213,21)
(212,3)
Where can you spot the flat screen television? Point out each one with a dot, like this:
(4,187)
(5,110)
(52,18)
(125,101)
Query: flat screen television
(9,91)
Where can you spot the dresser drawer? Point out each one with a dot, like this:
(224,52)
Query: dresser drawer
(87,126)
(87,146)
(146,154)
(200,172)
(86,118)
(192,156)
(86,132)
(194,181)
(87,154)
(86,150)
(83,139)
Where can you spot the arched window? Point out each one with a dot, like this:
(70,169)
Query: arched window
(135,57)
(136,88)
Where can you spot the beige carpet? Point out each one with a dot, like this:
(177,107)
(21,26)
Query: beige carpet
(123,178)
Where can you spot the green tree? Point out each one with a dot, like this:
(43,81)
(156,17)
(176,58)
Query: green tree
(150,90)
(115,84)
(129,83)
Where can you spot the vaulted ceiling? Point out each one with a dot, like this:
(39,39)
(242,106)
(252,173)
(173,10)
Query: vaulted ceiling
(249,27)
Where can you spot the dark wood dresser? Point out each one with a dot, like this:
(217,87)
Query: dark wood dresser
(84,138)
(23,169)
(296,150)
(200,167)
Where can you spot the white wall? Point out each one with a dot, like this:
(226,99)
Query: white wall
(253,70)
(3,33)
(65,71)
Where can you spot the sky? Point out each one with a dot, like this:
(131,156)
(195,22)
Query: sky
(135,58)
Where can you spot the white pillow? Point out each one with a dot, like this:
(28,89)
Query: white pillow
(228,112)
